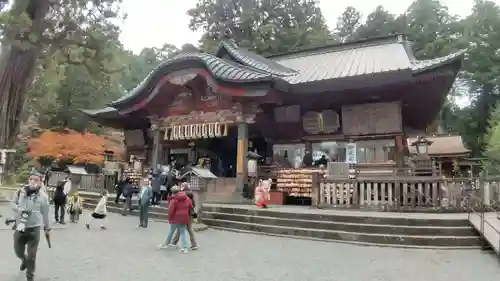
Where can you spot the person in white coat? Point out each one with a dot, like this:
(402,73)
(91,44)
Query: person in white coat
(100,211)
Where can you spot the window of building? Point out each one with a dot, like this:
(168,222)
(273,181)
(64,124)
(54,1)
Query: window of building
(333,151)
(292,153)
(378,151)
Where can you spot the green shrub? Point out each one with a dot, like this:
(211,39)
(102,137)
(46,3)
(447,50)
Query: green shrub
(23,174)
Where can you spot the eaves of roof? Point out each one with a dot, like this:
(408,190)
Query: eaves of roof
(418,66)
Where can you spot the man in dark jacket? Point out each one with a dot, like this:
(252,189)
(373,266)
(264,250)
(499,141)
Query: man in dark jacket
(127,191)
(59,202)
(156,186)
(119,188)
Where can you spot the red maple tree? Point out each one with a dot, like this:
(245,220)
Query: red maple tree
(71,146)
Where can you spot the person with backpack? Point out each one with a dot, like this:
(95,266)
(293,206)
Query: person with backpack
(59,200)
(31,210)
(75,207)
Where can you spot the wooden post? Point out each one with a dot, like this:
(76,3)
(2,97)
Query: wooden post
(482,188)
(241,157)
(316,190)
(157,139)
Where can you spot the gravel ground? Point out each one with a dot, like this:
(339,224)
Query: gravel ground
(124,253)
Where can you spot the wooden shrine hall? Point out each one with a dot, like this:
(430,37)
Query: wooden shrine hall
(293,109)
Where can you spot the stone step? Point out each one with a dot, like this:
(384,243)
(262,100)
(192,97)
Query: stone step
(352,237)
(346,226)
(475,247)
(369,218)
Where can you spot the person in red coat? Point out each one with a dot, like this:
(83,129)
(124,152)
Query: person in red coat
(178,218)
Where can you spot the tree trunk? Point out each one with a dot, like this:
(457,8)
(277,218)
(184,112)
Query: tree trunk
(17,67)
(16,74)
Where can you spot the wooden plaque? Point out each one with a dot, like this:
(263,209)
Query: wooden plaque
(372,118)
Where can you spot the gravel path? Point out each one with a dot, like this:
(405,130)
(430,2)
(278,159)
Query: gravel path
(124,253)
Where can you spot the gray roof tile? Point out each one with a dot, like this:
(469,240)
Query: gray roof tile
(254,60)
(347,62)
(224,69)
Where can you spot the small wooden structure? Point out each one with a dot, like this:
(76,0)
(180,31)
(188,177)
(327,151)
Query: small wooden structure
(198,179)
(448,154)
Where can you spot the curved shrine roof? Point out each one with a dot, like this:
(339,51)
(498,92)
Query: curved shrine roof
(240,68)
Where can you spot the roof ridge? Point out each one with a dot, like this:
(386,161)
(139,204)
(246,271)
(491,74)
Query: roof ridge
(252,59)
(367,42)
(328,49)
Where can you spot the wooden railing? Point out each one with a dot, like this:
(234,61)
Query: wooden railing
(410,194)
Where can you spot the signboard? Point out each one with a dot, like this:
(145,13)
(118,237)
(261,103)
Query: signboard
(372,118)
(350,153)
(196,131)
(324,122)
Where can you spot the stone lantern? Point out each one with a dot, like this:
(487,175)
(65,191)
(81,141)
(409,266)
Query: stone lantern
(422,145)
(423,165)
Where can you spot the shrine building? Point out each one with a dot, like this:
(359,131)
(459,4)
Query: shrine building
(219,106)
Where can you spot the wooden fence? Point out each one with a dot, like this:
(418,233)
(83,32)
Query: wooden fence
(90,182)
(410,194)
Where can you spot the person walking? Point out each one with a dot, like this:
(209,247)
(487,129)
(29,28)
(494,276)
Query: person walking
(46,177)
(145,197)
(59,200)
(192,215)
(127,192)
(31,210)
(119,188)
(100,212)
(178,218)
(169,181)
(156,186)
(163,185)
(75,207)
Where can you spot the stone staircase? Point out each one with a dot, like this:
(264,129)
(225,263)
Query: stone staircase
(447,231)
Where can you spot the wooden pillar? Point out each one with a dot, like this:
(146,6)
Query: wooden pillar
(157,146)
(241,157)
(166,154)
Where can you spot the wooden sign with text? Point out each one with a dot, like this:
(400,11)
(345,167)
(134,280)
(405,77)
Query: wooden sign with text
(196,131)
(202,117)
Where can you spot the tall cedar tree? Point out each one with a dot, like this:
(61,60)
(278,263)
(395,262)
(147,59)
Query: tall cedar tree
(77,30)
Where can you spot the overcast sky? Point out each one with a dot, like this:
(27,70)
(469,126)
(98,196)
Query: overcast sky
(151,23)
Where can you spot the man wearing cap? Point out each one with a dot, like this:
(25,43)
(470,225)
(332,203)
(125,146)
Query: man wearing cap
(31,210)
